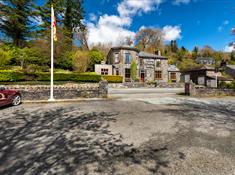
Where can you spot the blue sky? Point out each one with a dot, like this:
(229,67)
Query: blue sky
(191,22)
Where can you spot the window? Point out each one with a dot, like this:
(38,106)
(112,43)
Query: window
(104,71)
(158,75)
(127,58)
(141,61)
(127,73)
(158,63)
(117,71)
(173,77)
(116,57)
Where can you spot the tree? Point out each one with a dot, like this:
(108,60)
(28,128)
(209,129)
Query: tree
(133,70)
(4,57)
(73,19)
(174,46)
(149,39)
(80,61)
(195,52)
(232,56)
(15,21)
(81,34)
(95,57)
(207,51)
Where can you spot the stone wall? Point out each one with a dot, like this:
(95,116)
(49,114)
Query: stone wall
(67,91)
(139,85)
(202,91)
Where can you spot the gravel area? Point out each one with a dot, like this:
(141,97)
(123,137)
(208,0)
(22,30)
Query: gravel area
(142,136)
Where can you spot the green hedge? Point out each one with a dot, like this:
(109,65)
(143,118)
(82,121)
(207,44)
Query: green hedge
(113,78)
(9,76)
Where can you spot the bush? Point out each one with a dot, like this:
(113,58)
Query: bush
(113,78)
(9,76)
(95,57)
(80,61)
(225,85)
(133,70)
(4,57)
(77,77)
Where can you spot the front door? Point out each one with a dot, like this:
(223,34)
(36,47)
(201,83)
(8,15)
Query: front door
(142,75)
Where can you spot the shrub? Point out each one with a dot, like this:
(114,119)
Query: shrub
(133,70)
(113,78)
(4,58)
(227,85)
(9,76)
(80,61)
(77,77)
(95,57)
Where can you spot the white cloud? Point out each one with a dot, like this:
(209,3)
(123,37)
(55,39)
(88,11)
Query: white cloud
(226,22)
(178,2)
(113,29)
(133,7)
(229,48)
(171,33)
(220,28)
(114,20)
(223,24)
(109,29)
(92,17)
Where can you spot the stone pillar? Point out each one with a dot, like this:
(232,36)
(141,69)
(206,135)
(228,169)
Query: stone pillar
(103,89)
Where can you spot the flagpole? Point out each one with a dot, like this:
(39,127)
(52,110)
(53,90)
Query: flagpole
(52,57)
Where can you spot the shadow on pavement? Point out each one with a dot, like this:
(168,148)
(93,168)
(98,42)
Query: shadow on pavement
(66,141)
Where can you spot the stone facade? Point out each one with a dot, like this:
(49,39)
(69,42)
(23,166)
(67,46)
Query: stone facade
(68,91)
(103,69)
(150,67)
(205,76)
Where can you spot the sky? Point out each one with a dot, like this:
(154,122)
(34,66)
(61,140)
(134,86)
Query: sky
(190,22)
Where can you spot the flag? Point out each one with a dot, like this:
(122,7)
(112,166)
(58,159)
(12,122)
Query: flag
(53,23)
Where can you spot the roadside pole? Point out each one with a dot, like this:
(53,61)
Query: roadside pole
(52,56)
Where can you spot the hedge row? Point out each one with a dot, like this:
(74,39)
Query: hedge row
(14,76)
(9,76)
(113,78)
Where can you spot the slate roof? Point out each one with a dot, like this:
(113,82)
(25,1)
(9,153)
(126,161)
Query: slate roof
(204,59)
(221,78)
(150,55)
(231,66)
(125,48)
(204,67)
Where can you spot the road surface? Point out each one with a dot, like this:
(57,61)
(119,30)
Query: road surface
(167,135)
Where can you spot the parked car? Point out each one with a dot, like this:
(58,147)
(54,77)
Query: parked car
(9,97)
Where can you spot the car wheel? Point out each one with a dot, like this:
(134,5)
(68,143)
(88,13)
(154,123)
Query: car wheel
(16,100)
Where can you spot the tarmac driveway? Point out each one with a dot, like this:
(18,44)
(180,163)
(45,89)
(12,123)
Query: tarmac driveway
(145,136)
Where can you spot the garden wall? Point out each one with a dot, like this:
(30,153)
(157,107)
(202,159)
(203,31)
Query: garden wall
(139,85)
(67,91)
(201,91)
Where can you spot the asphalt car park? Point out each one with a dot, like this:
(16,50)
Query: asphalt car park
(158,135)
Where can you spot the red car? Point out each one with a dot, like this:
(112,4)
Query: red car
(9,97)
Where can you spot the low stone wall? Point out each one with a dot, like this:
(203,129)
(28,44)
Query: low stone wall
(202,91)
(67,91)
(139,85)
